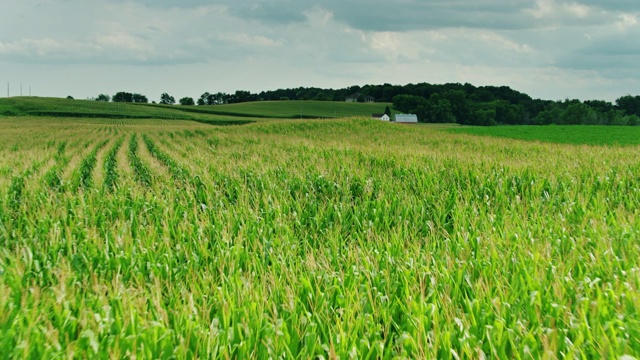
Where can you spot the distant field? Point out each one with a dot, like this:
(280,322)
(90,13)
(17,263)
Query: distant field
(292,109)
(36,106)
(575,134)
(244,112)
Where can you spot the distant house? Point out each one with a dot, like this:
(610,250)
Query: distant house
(355,97)
(383,117)
(406,118)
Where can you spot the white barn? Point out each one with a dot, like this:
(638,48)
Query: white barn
(406,118)
(383,117)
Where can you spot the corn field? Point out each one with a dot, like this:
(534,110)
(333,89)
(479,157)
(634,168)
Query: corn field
(312,239)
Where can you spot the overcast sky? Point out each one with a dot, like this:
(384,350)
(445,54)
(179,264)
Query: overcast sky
(551,49)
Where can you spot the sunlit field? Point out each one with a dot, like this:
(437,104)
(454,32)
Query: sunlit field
(312,239)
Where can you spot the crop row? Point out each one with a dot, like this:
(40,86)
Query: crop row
(177,171)
(82,177)
(199,190)
(141,171)
(53,177)
(110,166)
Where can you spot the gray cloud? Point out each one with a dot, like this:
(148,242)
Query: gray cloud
(614,5)
(282,12)
(303,42)
(409,15)
(615,56)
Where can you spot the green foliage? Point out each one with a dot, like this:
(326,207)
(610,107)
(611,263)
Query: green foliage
(103,98)
(315,239)
(408,103)
(128,97)
(436,110)
(82,177)
(110,166)
(141,171)
(629,104)
(167,99)
(187,101)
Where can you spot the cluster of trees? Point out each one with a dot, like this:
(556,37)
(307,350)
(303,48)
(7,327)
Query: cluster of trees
(123,96)
(167,99)
(220,98)
(456,106)
(470,105)
(446,103)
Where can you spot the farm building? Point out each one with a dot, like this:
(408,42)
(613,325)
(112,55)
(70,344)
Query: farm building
(406,118)
(383,117)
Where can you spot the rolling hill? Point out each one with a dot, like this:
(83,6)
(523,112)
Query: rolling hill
(250,111)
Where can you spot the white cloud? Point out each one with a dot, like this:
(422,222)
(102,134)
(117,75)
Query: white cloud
(332,43)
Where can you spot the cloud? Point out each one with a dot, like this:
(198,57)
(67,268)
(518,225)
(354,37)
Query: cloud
(332,41)
(614,55)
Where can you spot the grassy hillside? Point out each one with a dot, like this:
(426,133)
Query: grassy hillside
(294,109)
(574,134)
(35,106)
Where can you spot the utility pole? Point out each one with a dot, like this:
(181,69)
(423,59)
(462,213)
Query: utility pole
(7,89)
(29,90)
(20,89)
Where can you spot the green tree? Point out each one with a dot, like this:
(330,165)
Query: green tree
(204,99)
(629,104)
(577,113)
(387,110)
(122,96)
(437,110)
(187,101)
(408,103)
(139,98)
(458,103)
(103,98)
(167,99)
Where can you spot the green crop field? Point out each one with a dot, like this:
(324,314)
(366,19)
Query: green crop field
(36,106)
(233,113)
(574,134)
(291,109)
(128,238)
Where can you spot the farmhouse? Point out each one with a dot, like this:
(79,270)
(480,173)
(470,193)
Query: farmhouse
(406,118)
(358,96)
(383,117)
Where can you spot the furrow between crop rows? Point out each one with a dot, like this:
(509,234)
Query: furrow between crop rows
(82,177)
(194,184)
(177,171)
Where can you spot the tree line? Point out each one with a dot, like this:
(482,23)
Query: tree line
(476,105)
(439,103)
